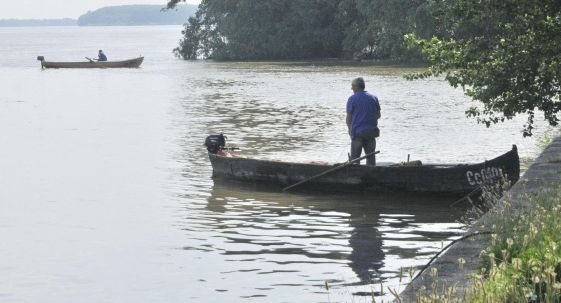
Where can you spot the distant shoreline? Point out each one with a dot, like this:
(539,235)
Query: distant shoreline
(37,22)
(123,15)
(76,25)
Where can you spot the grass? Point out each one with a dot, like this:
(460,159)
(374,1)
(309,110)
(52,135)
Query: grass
(522,262)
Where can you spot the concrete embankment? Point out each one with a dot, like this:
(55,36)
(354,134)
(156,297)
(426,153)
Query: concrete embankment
(542,175)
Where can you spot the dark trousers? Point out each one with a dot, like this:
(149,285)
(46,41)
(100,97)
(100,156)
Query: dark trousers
(367,142)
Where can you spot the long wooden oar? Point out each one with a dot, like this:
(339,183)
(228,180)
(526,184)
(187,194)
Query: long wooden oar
(336,168)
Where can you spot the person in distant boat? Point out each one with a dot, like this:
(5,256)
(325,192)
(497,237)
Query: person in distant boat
(101,56)
(363,112)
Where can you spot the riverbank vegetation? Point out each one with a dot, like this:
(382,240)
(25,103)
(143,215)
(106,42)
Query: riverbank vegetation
(504,54)
(304,29)
(522,262)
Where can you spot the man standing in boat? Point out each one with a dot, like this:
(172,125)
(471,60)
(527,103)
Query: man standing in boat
(101,56)
(363,112)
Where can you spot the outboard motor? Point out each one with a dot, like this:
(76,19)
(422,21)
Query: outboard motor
(41,58)
(214,143)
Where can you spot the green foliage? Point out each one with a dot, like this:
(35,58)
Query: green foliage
(380,25)
(505,54)
(296,29)
(255,29)
(189,46)
(523,260)
(523,264)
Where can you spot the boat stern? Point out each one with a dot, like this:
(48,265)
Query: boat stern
(515,174)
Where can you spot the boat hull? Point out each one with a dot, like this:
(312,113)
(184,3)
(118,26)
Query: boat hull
(456,179)
(131,63)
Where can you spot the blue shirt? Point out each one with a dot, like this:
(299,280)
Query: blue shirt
(365,110)
(102,57)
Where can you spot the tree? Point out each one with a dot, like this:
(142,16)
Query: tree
(374,28)
(189,47)
(258,29)
(505,54)
(300,29)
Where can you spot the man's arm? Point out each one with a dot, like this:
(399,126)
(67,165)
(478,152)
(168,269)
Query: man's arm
(379,109)
(349,120)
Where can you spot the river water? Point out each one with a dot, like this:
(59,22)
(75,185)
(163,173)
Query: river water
(106,192)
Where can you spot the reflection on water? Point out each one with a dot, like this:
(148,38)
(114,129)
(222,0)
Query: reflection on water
(278,232)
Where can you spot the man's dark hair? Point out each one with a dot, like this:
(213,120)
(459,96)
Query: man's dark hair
(359,82)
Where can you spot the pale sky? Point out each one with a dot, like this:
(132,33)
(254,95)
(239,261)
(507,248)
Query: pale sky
(54,9)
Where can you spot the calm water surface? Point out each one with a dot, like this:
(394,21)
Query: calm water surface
(105,188)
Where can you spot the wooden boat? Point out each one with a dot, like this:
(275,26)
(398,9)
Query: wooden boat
(136,62)
(428,178)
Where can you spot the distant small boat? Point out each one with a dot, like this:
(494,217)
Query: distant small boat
(131,63)
(429,178)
